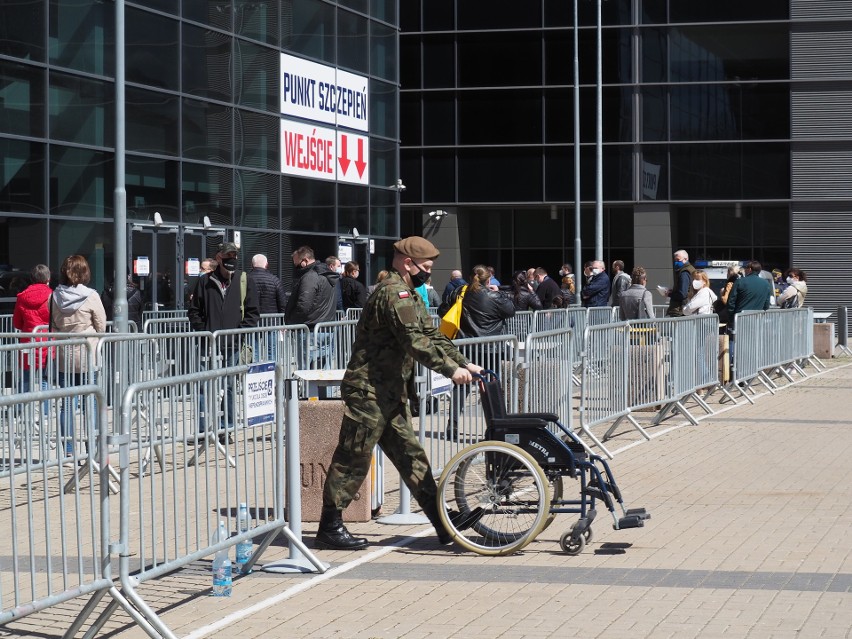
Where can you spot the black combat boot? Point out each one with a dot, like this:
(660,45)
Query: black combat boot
(332,534)
(430,509)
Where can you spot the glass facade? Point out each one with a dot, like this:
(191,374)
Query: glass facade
(695,111)
(202,131)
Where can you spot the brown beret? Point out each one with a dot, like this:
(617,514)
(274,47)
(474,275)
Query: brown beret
(417,247)
(228,247)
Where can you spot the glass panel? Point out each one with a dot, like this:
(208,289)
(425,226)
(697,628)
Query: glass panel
(152,49)
(256,140)
(654,43)
(354,43)
(558,57)
(256,199)
(730,112)
(500,175)
(439,62)
(206,63)
(23,244)
(152,185)
(654,11)
(410,125)
(409,16)
(383,50)
(163,6)
(514,59)
(353,208)
(257,20)
(308,28)
(654,179)
(22,31)
(498,14)
(536,227)
(383,170)
(440,15)
(206,131)
(654,113)
(439,176)
(439,118)
(257,77)
(729,11)
(22,106)
(385,10)
(152,121)
(80,111)
(616,56)
(383,116)
(383,213)
(81,182)
(307,205)
(559,174)
(410,61)
(772,228)
(507,117)
(357,5)
(559,115)
(410,172)
(498,232)
(612,12)
(216,13)
(82,36)
(92,241)
(617,112)
(21,176)
(206,190)
(730,52)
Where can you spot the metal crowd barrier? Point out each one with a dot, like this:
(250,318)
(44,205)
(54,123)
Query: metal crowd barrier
(171,314)
(271,319)
(6,325)
(160,326)
(331,346)
(546,375)
(519,324)
(598,315)
(549,320)
(353,313)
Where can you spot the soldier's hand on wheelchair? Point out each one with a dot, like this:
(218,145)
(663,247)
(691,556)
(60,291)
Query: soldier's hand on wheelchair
(474,369)
(462,376)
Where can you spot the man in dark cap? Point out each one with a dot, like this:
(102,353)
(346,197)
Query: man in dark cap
(394,331)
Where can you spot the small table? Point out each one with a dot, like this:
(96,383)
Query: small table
(821,318)
(320,379)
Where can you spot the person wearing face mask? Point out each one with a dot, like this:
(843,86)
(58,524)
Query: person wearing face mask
(547,289)
(679,294)
(703,298)
(335,265)
(797,288)
(620,282)
(394,333)
(224,298)
(596,292)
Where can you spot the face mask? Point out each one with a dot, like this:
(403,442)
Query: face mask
(534,284)
(697,284)
(339,270)
(790,280)
(561,273)
(419,278)
(678,264)
(596,271)
(230,264)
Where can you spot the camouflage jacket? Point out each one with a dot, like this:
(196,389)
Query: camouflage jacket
(393,332)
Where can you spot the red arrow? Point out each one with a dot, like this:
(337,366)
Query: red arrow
(344,156)
(360,164)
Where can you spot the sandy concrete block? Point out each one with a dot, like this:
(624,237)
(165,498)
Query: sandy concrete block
(824,340)
(319,429)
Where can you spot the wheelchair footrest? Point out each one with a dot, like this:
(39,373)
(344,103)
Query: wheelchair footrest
(631,521)
(638,512)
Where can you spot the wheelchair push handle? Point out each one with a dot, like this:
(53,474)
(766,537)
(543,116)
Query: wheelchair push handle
(485,375)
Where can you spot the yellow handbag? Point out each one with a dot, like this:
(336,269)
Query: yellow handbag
(451,321)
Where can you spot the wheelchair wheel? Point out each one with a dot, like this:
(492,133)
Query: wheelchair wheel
(494,498)
(556,489)
(570,545)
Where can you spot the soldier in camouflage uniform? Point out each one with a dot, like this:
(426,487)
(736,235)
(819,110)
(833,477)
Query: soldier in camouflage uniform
(393,332)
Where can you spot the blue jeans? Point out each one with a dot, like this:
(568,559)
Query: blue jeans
(69,405)
(231,359)
(27,383)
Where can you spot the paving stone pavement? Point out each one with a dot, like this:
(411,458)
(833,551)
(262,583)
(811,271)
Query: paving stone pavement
(749,537)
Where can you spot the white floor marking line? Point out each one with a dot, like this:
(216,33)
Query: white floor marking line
(305,585)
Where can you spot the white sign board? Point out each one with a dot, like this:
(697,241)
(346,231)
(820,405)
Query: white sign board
(650,180)
(260,394)
(439,383)
(344,252)
(142,266)
(318,152)
(193,266)
(322,93)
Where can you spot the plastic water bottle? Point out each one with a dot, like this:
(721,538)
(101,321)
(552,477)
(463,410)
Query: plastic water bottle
(222,578)
(243,547)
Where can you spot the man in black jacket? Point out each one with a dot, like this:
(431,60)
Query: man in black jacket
(548,290)
(270,293)
(312,300)
(220,302)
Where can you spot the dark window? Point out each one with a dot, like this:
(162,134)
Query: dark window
(70,237)
(152,49)
(308,28)
(498,14)
(23,244)
(353,42)
(558,58)
(22,106)
(357,5)
(307,205)
(654,114)
(256,199)
(410,172)
(410,61)
(353,208)
(615,58)
(536,227)
(256,20)
(439,15)
(613,12)
(383,168)
(439,176)
(409,16)
(654,176)
(383,213)
(22,179)
(383,51)
(409,123)
(81,182)
(654,12)
(216,13)
(206,131)
(152,122)
(559,173)
(153,185)
(383,109)
(500,175)
(513,59)
(206,63)
(206,190)
(500,117)
(616,114)
(164,6)
(439,66)
(22,31)
(82,35)
(439,118)
(385,10)
(80,110)
(654,43)
(257,77)
(729,10)
(559,115)
(256,141)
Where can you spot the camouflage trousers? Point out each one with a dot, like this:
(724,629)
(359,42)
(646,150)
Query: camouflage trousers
(366,423)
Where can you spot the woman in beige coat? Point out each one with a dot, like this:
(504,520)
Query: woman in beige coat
(75,308)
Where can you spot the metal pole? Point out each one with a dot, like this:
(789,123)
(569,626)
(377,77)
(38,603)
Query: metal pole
(578,245)
(599,142)
(120,194)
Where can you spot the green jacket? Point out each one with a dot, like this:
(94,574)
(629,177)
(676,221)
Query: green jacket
(393,332)
(749,293)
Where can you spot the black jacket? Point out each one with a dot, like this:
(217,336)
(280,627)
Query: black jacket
(547,291)
(134,304)
(354,293)
(526,300)
(270,293)
(484,312)
(314,296)
(213,309)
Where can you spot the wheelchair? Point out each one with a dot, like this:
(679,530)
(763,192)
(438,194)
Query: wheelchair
(497,495)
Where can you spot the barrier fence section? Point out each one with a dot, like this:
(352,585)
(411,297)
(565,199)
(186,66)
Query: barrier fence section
(159,326)
(53,526)
(170,314)
(546,375)
(598,315)
(331,346)
(549,320)
(519,324)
